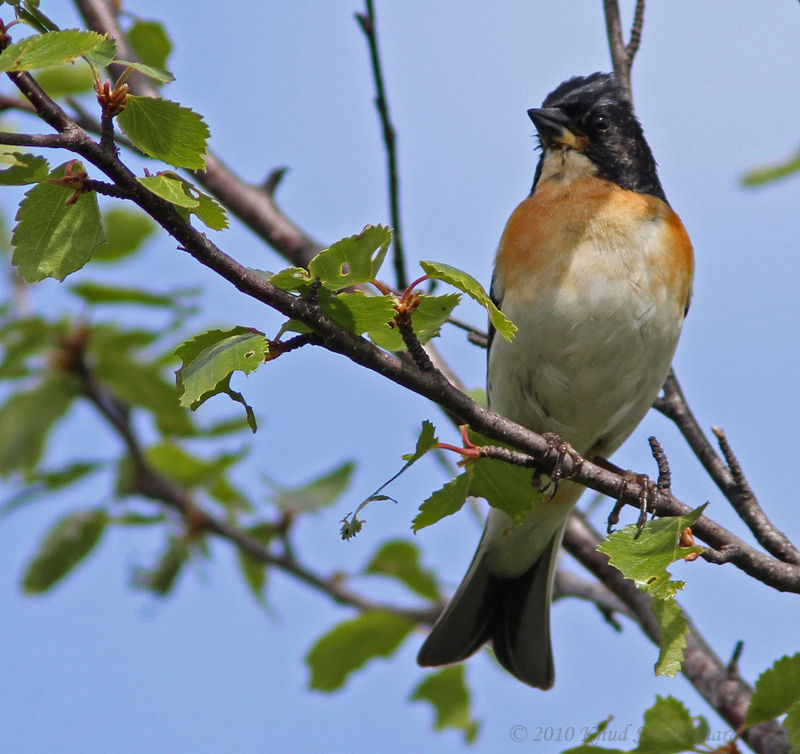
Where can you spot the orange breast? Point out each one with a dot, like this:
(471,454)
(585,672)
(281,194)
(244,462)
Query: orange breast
(548,227)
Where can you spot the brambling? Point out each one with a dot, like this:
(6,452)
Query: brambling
(595,269)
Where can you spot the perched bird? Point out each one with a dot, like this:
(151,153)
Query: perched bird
(595,269)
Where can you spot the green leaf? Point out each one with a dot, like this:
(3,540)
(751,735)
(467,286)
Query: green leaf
(186,196)
(353,260)
(50,49)
(318,493)
(772,173)
(162,578)
(53,238)
(187,470)
(170,187)
(208,360)
(669,729)
(672,630)
(152,72)
(253,570)
(445,501)
(777,689)
(166,131)
(24,340)
(65,545)
(473,288)
(351,644)
(792,724)
(127,230)
(505,486)
(643,557)
(358,312)
(26,419)
(291,279)
(25,168)
(426,320)
(449,696)
(96,293)
(400,560)
(150,42)
(66,80)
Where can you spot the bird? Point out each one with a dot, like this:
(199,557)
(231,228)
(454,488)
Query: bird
(595,269)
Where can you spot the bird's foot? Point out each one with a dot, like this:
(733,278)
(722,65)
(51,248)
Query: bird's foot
(562,450)
(647,496)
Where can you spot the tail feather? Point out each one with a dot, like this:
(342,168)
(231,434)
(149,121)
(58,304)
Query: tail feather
(512,613)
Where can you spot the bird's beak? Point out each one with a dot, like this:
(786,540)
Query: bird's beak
(554,127)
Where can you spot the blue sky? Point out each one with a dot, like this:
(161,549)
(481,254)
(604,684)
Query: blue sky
(95,666)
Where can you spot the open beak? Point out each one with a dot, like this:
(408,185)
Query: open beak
(554,127)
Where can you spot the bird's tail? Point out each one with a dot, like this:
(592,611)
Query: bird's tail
(511,612)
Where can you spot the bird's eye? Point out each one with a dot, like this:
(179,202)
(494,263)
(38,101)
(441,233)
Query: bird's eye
(601,121)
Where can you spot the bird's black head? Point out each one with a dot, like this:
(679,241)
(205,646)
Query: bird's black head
(592,115)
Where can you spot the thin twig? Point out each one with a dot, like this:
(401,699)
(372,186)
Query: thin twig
(368,25)
(622,54)
(674,406)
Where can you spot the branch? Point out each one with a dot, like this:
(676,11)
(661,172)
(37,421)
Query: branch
(151,483)
(368,25)
(728,694)
(729,478)
(622,54)
(252,204)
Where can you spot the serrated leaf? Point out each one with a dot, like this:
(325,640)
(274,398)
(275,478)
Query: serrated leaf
(208,360)
(166,131)
(151,42)
(358,312)
(348,646)
(447,693)
(669,729)
(26,419)
(426,320)
(25,168)
(209,211)
(126,230)
(52,238)
(644,556)
(466,283)
(152,72)
(170,187)
(444,502)
(65,545)
(505,487)
(400,560)
(672,630)
(792,724)
(353,260)
(777,689)
(104,54)
(318,493)
(291,279)
(426,441)
(50,49)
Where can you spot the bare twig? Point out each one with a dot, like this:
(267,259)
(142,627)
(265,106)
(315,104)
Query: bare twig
(622,54)
(368,25)
(674,406)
